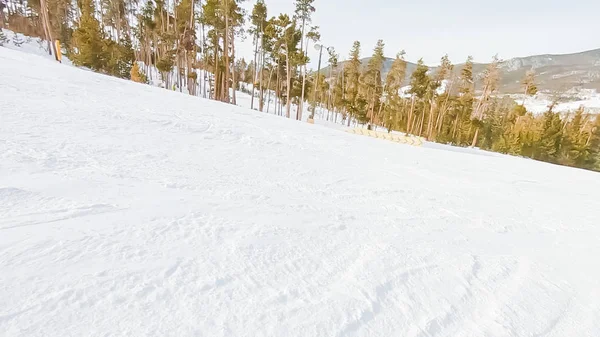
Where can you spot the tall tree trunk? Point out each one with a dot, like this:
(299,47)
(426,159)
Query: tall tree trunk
(277,93)
(234,79)
(289,83)
(254,71)
(217,75)
(410,115)
(379,112)
(455,129)
(261,98)
(474,143)
(430,121)
(2,17)
(48,29)
(226,51)
(305,53)
(269,91)
(479,113)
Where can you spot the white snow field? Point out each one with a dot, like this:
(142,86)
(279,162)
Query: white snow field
(130,210)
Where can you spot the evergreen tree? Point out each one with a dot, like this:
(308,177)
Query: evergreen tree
(3,38)
(551,137)
(17,40)
(420,84)
(529,86)
(258,21)
(287,39)
(88,40)
(419,80)
(439,106)
(463,106)
(594,143)
(393,82)
(491,78)
(137,75)
(303,13)
(528,83)
(578,151)
(352,74)
(371,81)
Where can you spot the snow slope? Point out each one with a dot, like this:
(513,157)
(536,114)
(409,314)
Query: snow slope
(130,210)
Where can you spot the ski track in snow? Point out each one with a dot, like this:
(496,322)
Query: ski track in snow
(129,210)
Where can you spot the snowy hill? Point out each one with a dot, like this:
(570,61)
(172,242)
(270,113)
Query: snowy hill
(130,210)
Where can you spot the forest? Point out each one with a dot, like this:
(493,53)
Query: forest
(191,45)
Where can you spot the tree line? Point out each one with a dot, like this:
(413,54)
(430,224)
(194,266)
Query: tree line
(191,44)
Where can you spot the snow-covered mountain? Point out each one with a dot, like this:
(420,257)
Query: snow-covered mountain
(130,210)
(553,72)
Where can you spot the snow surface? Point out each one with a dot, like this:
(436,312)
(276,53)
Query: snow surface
(590,101)
(130,210)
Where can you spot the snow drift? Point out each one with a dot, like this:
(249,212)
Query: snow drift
(129,210)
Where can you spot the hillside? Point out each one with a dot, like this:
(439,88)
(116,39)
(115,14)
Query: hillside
(130,210)
(553,72)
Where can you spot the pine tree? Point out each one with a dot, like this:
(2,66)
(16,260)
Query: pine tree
(352,73)
(287,39)
(464,104)
(88,40)
(394,79)
(303,13)
(491,78)
(529,86)
(226,18)
(3,39)
(137,75)
(439,107)
(420,83)
(17,40)
(594,143)
(258,21)
(371,81)
(551,137)
(419,80)
(576,146)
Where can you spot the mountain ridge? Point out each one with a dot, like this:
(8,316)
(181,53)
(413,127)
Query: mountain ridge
(554,72)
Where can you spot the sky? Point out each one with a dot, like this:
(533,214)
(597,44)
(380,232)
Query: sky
(429,29)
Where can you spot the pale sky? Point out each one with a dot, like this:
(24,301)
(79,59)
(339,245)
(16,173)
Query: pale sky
(432,28)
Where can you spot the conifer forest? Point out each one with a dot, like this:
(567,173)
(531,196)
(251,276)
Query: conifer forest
(190,46)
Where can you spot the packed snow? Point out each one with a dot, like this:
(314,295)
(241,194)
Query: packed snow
(130,210)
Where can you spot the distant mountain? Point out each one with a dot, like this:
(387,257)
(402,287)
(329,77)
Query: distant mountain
(553,72)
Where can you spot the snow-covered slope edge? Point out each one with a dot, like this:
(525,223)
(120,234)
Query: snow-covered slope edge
(128,210)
